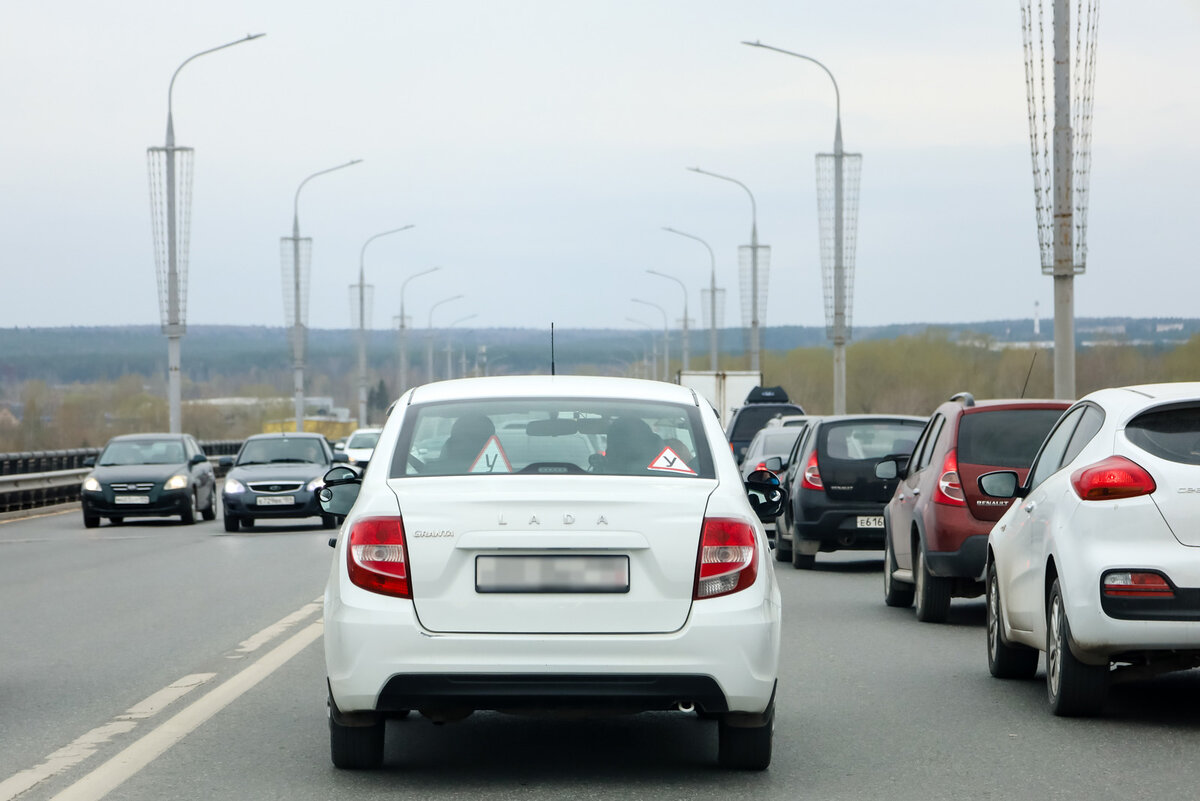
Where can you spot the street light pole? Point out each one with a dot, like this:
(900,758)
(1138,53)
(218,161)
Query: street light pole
(299,308)
(449,349)
(754,333)
(685,312)
(362,326)
(429,335)
(402,345)
(653,363)
(840,334)
(712,299)
(666,337)
(173,313)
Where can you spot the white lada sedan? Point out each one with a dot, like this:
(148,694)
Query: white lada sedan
(1098,561)
(551,545)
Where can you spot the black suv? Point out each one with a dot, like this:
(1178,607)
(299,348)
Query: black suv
(762,404)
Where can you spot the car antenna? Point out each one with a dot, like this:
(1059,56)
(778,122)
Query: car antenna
(551,348)
(1027,375)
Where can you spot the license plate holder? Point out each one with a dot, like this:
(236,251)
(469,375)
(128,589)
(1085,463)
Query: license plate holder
(275,500)
(131,500)
(870,521)
(552,574)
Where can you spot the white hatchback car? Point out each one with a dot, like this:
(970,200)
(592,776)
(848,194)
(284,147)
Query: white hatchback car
(1098,562)
(551,545)
(360,444)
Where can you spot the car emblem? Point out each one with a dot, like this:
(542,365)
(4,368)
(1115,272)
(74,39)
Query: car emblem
(274,488)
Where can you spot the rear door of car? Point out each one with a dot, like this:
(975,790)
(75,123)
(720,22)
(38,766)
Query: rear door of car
(992,439)
(848,451)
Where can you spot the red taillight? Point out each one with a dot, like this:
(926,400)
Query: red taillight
(949,487)
(811,479)
(728,559)
(1114,478)
(1131,584)
(376,558)
(761,466)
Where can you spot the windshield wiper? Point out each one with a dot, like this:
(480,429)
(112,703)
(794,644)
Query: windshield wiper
(273,461)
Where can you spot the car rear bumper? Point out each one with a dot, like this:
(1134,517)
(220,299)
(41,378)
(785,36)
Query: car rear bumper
(163,503)
(967,562)
(838,530)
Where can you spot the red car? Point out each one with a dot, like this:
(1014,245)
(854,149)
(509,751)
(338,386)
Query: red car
(937,522)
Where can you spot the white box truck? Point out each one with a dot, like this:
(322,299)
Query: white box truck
(726,390)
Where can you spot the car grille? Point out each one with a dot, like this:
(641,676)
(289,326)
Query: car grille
(143,486)
(276,486)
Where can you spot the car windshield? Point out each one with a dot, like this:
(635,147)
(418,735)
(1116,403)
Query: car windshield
(259,451)
(1004,438)
(364,439)
(871,439)
(142,451)
(553,436)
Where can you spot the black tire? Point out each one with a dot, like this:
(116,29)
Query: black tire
(801,561)
(91,521)
(356,747)
(931,594)
(210,512)
(329,521)
(188,515)
(247,522)
(783,548)
(897,594)
(745,748)
(1073,688)
(231,522)
(1005,660)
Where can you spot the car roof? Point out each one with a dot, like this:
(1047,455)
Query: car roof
(551,387)
(155,435)
(840,418)
(287,435)
(1126,402)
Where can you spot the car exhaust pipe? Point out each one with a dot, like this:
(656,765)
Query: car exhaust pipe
(846,540)
(685,706)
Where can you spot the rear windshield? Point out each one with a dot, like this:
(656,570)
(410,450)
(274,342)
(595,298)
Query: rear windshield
(780,443)
(1004,438)
(751,418)
(1172,434)
(869,439)
(552,436)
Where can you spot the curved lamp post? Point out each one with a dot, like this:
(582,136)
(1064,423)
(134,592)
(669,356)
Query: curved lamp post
(449,366)
(712,299)
(429,335)
(297,304)
(666,337)
(171,255)
(402,344)
(652,362)
(361,286)
(685,312)
(754,333)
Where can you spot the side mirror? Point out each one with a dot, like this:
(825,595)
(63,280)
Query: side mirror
(774,464)
(225,461)
(339,457)
(1000,484)
(196,459)
(887,469)
(339,446)
(89,461)
(766,495)
(340,491)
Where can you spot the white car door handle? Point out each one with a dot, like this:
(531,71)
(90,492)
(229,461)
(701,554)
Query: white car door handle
(1029,507)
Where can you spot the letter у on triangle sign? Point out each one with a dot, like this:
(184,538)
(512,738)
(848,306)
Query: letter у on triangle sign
(491,459)
(669,462)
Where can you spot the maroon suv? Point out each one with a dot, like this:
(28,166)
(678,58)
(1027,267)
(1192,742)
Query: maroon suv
(937,522)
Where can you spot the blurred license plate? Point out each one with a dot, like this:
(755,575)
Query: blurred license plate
(871,521)
(275,500)
(124,499)
(552,574)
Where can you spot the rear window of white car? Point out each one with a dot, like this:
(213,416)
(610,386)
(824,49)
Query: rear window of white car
(1172,434)
(550,436)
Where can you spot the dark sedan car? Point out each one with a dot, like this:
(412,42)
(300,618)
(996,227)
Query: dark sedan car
(149,475)
(276,476)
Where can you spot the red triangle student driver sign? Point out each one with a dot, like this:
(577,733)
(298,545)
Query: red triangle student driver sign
(669,462)
(491,459)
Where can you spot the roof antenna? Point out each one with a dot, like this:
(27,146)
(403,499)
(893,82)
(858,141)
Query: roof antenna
(1031,361)
(551,348)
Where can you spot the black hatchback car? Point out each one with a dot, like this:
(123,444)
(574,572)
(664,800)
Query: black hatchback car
(835,498)
(762,404)
(149,475)
(277,476)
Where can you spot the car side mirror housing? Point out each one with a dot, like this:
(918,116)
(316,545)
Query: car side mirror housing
(1001,484)
(766,495)
(887,469)
(340,491)
(198,458)
(340,457)
(225,461)
(89,461)
(774,464)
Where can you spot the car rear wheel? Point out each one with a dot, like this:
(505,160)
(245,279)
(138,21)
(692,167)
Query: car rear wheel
(783,547)
(745,747)
(355,747)
(932,593)
(1074,688)
(91,521)
(210,512)
(1005,660)
(329,521)
(188,516)
(895,593)
(231,522)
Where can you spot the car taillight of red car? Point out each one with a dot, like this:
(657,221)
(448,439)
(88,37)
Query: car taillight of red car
(949,490)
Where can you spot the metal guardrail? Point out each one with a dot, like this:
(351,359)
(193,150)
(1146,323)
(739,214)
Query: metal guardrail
(31,480)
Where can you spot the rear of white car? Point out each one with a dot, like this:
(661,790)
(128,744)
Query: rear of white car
(541,571)
(1112,539)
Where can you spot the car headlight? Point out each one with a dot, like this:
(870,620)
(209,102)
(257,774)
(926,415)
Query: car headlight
(233,486)
(91,484)
(177,481)
(316,483)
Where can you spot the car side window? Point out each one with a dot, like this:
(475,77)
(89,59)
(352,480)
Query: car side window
(1089,426)
(1051,456)
(935,432)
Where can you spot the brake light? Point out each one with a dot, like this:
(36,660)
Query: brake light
(1111,479)
(375,558)
(949,487)
(1130,584)
(728,559)
(761,466)
(811,479)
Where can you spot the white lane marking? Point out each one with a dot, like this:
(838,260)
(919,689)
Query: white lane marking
(107,777)
(165,696)
(84,746)
(274,630)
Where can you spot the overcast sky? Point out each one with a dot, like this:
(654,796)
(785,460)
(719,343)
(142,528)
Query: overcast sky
(538,148)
